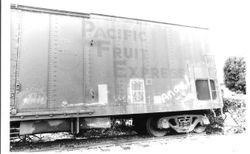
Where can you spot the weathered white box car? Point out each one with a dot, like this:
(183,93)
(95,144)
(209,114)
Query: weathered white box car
(72,71)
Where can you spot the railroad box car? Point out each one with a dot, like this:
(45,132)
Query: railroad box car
(71,71)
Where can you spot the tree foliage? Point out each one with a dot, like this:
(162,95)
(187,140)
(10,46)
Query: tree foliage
(234,74)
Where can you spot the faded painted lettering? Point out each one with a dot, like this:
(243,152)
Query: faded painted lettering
(180,92)
(33,99)
(93,31)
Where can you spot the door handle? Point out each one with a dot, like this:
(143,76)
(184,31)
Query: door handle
(18,87)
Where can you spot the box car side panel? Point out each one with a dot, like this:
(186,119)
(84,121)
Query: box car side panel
(98,64)
(49,63)
(107,65)
(167,58)
(66,72)
(115,56)
(32,60)
(14,50)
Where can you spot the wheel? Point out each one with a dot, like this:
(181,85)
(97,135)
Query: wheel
(200,128)
(151,127)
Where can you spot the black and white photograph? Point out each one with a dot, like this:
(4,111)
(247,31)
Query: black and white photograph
(92,76)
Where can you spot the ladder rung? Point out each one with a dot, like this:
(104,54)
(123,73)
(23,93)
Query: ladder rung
(14,128)
(14,133)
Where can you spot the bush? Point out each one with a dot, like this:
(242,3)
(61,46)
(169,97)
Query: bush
(231,104)
(236,109)
(234,74)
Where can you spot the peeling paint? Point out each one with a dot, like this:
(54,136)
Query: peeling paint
(95,103)
(180,92)
(102,98)
(136,91)
(157,100)
(103,93)
(66,104)
(34,98)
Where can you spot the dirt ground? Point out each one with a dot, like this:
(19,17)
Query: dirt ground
(184,143)
(189,144)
